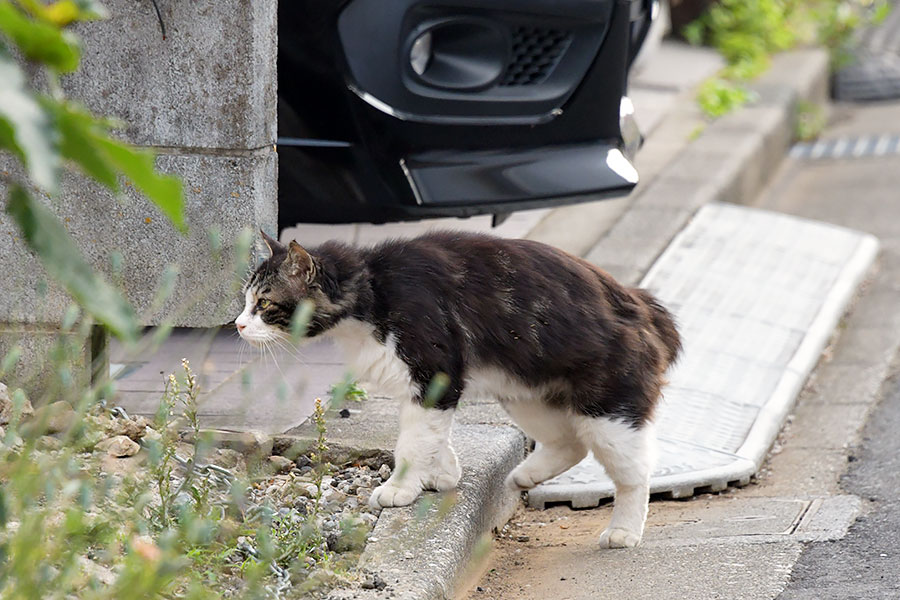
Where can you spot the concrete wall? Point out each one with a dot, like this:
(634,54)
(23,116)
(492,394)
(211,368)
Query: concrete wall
(205,99)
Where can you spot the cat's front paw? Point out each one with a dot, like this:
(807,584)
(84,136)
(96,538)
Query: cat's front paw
(619,538)
(521,479)
(390,494)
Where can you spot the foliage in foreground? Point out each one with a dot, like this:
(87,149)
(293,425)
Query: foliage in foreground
(747,32)
(77,522)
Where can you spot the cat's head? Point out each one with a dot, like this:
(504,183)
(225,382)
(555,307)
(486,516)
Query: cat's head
(279,285)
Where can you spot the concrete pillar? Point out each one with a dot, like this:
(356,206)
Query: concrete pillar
(204,98)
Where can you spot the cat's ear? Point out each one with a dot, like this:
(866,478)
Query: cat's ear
(272,244)
(299,262)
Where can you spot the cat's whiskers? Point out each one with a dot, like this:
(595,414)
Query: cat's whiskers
(285,343)
(266,343)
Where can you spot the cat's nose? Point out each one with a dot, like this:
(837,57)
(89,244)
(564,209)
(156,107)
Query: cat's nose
(240,328)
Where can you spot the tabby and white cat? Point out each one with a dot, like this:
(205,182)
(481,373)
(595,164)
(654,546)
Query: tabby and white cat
(576,359)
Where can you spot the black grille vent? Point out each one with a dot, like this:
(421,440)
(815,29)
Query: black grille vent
(535,53)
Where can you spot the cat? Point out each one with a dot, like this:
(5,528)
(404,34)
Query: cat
(575,358)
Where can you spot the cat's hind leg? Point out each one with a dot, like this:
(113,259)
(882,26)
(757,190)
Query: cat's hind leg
(627,453)
(423,457)
(559,447)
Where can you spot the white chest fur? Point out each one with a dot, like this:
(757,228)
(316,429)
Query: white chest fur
(377,366)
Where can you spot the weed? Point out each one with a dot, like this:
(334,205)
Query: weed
(809,120)
(348,389)
(718,97)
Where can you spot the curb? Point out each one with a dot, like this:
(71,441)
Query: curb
(425,551)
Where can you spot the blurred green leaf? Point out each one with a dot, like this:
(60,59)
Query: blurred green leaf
(25,127)
(49,240)
(39,41)
(138,165)
(84,140)
(78,143)
(64,12)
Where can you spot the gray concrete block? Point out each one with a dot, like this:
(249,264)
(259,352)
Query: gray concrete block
(638,238)
(730,160)
(423,551)
(805,71)
(51,366)
(677,194)
(211,83)
(223,194)
(577,227)
(775,123)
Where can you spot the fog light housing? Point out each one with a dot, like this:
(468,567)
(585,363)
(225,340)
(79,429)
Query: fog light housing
(420,53)
(459,54)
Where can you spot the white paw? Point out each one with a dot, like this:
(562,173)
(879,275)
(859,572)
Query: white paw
(444,482)
(619,538)
(443,474)
(390,494)
(520,480)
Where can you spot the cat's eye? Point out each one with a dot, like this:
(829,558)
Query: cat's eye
(264,304)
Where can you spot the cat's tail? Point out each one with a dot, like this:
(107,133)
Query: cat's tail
(664,323)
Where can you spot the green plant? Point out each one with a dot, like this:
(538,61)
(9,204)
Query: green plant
(348,389)
(809,120)
(718,96)
(747,32)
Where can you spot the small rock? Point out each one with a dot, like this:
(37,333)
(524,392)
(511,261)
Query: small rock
(303,461)
(228,459)
(308,489)
(6,407)
(48,442)
(152,434)
(522,538)
(334,495)
(384,472)
(133,428)
(119,446)
(374,582)
(246,442)
(55,417)
(122,467)
(301,505)
(100,573)
(281,464)
(345,413)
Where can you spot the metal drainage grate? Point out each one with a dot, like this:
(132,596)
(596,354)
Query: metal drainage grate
(848,147)
(756,296)
(535,53)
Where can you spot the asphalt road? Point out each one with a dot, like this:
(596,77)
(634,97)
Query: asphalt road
(863,193)
(865,563)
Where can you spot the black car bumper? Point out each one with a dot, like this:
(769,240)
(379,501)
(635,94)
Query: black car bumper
(517,105)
